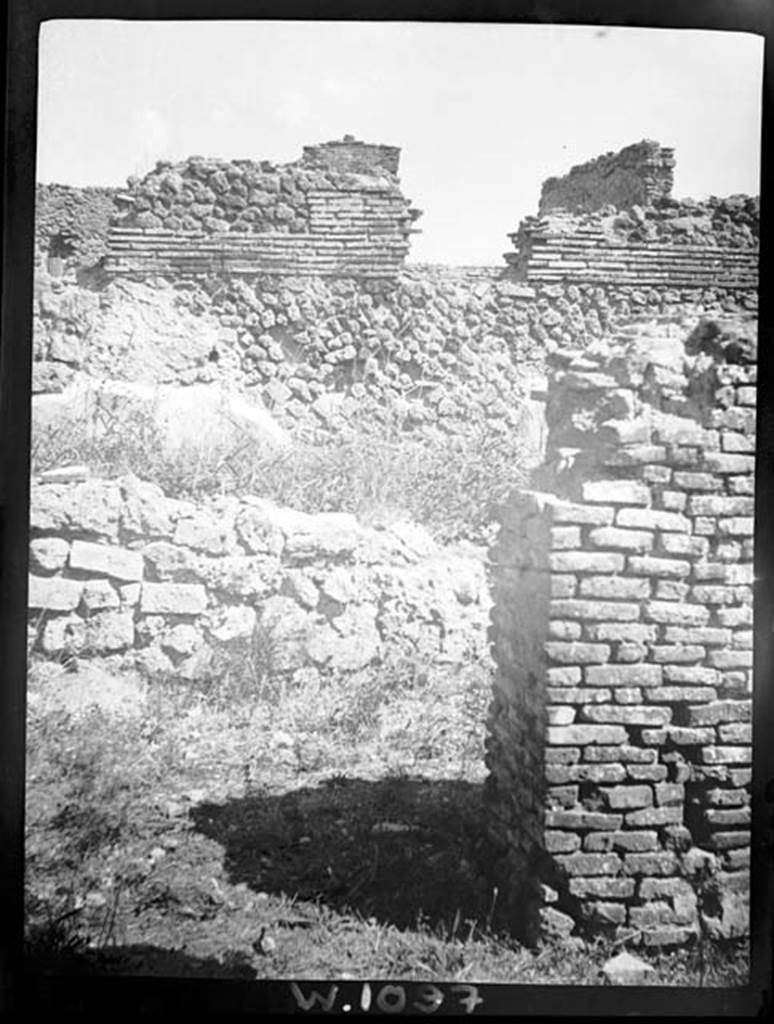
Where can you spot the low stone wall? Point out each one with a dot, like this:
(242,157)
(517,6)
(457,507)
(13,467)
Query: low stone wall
(116,567)
(620,730)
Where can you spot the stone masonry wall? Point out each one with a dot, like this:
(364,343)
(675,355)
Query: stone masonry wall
(636,175)
(619,747)
(118,568)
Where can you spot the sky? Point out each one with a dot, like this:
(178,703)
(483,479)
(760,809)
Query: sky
(483,113)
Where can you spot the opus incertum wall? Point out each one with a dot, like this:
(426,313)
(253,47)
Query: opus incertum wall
(620,733)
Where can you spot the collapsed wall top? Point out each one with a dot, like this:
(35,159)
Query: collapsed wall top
(338,210)
(635,176)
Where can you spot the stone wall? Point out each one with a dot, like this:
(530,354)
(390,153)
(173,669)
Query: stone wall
(118,568)
(338,211)
(619,748)
(636,175)
(73,223)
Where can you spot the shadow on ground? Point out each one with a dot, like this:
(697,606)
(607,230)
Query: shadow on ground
(399,850)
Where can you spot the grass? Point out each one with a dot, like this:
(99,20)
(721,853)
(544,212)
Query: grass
(451,485)
(337,832)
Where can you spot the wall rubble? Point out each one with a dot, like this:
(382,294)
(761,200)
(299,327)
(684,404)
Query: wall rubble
(619,747)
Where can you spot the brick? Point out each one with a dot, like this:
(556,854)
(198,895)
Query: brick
(590,863)
(577,653)
(631,632)
(561,842)
(655,816)
(737,858)
(725,818)
(48,554)
(669,793)
(577,820)
(617,587)
(660,888)
(633,841)
(603,887)
(737,526)
(626,714)
(671,568)
(691,674)
(649,519)
(173,599)
(742,420)
(624,754)
(106,560)
(565,676)
(562,755)
(732,617)
(683,736)
(713,636)
(734,881)
(565,630)
(710,570)
(623,675)
(621,540)
(565,537)
(654,737)
(621,798)
(578,694)
(561,715)
(726,755)
(627,695)
(733,442)
(730,659)
(672,501)
(53,593)
(746,396)
(636,455)
(579,735)
(99,594)
(663,863)
(709,773)
(604,912)
(689,481)
(740,776)
(672,613)
(743,639)
(616,492)
(721,711)
(728,840)
(741,484)
(671,590)
(728,797)
(709,594)
(719,505)
(563,585)
(651,914)
(562,796)
(705,526)
(646,772)
(583,515)
(677,654)
(656,474)
(585,561)
(611,611)
(560,773)
(736,732)
(740,574)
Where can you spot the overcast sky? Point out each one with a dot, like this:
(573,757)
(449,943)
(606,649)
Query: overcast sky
(483,113)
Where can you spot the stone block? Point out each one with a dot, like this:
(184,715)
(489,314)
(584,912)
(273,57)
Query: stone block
(565,676)
(173,599)
(650,519)
(106,560)
(684,736)
(620,539)
(723,818)
(579,735)
(48,554)
(615,587)
(593,821)
(630,714)
(737,526)
(636,842)
(561,842)
(98,595)
(653,816)
(677,653)
(726,755)
(681,544)
(621,798)
(616,492)
(736,732)
(669,568)
(696,675)
(585,773)
(625,754)
(594,611)
(669,793)
(709,635)
(590,863)
(605,888)
(623,675)
(574,653)
(720,505)
(585,561)
(646,772)
(671,590)
(675,613)
(563,585)
(582,514)
(577,694)
(628,632)
(53,593)
(732,659)
(720,712)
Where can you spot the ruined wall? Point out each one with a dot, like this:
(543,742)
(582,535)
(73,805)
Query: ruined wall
(636,175)
(338,211)
(620,729)
(79,216)
(118,568)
